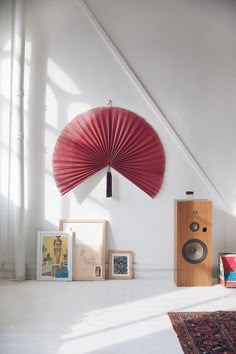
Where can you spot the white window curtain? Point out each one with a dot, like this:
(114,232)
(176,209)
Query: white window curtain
(12,149)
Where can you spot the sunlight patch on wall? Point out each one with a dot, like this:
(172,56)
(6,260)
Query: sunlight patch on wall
(28,47)
(28,50)
(50,141)
(76,108)
(51,115)
(61,79)
(52,206)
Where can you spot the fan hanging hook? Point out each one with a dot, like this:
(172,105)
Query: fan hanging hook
(110,103)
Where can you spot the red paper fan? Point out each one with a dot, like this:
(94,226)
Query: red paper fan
(113,137)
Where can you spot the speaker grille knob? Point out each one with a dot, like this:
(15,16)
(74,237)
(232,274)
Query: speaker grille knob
(194,251)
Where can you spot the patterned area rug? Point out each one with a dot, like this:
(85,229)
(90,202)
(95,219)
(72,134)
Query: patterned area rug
(205,332)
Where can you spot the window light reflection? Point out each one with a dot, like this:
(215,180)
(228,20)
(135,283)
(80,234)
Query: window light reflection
(51,115)
(61,79)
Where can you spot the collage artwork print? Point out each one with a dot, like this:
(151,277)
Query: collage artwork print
(120,265)
(54,256)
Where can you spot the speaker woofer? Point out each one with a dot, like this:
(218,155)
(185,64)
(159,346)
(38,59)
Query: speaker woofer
(194,251)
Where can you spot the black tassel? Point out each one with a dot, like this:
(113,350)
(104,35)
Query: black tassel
(109,185)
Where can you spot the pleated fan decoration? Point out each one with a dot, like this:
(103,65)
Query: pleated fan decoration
(110,137)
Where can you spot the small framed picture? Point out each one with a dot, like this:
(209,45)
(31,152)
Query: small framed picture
(120,264)
(98,271)
(54,255)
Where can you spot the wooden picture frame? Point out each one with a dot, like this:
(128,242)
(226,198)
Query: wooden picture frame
(120,264)
(89,247)
(54,255)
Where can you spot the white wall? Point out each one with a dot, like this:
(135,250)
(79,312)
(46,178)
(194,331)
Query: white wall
(181,55)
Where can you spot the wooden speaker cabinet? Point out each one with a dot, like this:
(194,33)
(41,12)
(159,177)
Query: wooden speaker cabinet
(193,243)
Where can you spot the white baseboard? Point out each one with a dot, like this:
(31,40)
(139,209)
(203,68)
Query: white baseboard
(140,271)
(146,271)
(153,271)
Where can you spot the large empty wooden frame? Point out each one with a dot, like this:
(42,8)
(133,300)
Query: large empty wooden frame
(89,247)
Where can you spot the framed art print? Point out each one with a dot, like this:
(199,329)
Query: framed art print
(89,247)
(120,264)
(54,255)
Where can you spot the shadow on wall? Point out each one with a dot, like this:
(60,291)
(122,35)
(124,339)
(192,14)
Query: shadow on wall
(83,190)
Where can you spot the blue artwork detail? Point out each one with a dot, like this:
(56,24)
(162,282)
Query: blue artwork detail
(230,276)
(61,272)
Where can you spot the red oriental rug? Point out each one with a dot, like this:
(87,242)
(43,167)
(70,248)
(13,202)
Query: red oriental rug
(205,332)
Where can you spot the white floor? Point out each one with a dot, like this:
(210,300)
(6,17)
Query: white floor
(109,317)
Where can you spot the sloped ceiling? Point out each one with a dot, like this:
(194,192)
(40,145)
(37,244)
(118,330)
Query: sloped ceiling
(183,52)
